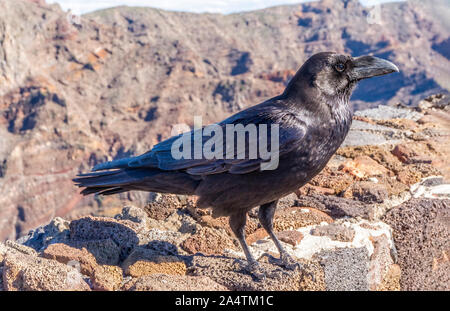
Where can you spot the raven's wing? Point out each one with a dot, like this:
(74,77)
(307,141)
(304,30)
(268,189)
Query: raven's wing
(291,132)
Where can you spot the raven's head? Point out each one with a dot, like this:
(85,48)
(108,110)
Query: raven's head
(335,75)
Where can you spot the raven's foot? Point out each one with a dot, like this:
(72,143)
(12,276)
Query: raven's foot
(289,263)
(253,268)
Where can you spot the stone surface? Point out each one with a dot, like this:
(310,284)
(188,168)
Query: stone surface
(422,237)
(65,254)
(107,278)
(95,228)
(1,279)
(163,206)
(391,280)
(335,232)
(146,262)
(404,153)
(207,241)
(386,112)
(338,207)
(105,251)
(363,167)
(20,248)
(162,282)
(226,271)
(345,269)
(73,108)
(297,217)
(328,182)
(134,214)
(367,192)
(29,273)
(57,231)
(313,244)
(291,237)
(259,234)
(382,274)
(66,101)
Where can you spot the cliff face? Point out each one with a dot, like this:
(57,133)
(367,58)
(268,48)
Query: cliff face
(76,91)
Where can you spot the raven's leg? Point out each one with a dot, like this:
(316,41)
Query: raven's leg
(265,215)
(237,224)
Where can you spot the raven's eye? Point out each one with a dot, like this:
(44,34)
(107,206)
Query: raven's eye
(340,67)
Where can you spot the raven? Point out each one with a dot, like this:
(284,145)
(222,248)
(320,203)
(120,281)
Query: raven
(313,116)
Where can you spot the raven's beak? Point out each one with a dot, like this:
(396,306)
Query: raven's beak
(370,66)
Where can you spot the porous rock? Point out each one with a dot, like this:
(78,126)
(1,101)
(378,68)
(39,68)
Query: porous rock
(144,261)
(164,282)
(29,273)
(64,254)
(94,228)
(422,237)
(107,278)
(334,231)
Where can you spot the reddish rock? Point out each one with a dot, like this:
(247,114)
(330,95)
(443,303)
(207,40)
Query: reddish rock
(413,173)
(144,261)
(290,236)
(310,189)
(107,278)
(380,153)
(259,234)
(363,167)
(20,248)
(409,177)
(329,181)
(64,254)
(207,241)
(413,153)
(403,153)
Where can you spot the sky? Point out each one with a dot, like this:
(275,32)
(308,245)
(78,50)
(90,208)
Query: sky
(198,6)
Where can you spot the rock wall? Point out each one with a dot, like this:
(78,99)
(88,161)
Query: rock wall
(75,91)
(376,218)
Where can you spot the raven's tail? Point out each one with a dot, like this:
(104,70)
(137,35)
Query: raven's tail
(144,179)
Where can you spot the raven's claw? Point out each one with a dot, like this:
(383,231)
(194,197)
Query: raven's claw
(286,261)
(252,268)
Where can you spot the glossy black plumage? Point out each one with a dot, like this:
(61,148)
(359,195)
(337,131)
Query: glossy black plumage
(314,117)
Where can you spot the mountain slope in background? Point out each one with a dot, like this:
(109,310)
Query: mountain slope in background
(76,91)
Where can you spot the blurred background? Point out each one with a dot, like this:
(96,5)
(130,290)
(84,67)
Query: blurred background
(82,82)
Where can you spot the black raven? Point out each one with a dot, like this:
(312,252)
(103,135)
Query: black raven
(313,116)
